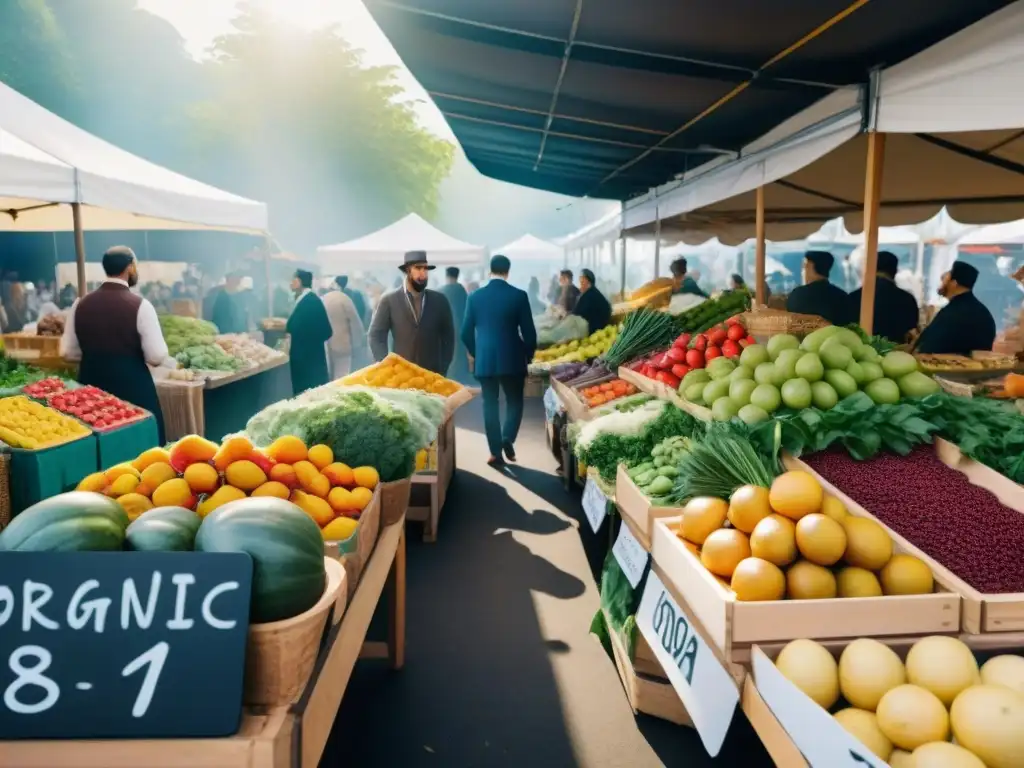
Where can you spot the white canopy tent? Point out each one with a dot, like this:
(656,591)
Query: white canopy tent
(531,248)
(47,163)
(1007,233)
(388,246)
(56,177)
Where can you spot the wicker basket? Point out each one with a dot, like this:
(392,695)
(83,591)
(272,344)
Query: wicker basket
(394,501)
(280,655)
(772,322)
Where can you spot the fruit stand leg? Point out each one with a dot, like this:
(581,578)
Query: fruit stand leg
(396,607)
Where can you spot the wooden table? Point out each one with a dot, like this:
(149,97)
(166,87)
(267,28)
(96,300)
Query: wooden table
(280,737)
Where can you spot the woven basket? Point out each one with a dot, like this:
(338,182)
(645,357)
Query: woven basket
(5,490)
(354,553)
(772,322)
(280,655)
(394,501)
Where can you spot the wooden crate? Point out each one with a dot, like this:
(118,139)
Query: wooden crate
(664,392)
(575,408)
(734,626)
(29,346)
(535,386)
(647,689)
(637,509)
(430,489)
(782,716)
(980,612)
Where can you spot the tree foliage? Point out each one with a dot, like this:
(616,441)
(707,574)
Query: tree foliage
(290,117)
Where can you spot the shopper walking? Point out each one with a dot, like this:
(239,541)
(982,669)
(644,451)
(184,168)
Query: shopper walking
(348,334)
(309,328)
(500,337)
(417,320)
(457,297)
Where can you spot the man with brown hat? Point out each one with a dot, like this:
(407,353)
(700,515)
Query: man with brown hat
(417,320)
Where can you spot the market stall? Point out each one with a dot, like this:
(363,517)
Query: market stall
(387,247)
(305,495)
(435,464)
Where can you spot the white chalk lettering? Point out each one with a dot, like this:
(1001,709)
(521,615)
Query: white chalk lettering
(153,660)
(6,604)
(36,596)
(25,676)
(212,595)
(82,611)
(131,604)
(182,582)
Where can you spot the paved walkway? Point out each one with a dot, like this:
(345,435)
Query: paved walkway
(500,668)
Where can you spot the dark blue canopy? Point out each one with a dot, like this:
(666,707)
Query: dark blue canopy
(610,98)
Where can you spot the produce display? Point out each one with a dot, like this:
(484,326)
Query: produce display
(935,707)
(695,351)
(554,327)
(395,372)
(208,357)
(99,409)
(196,474)
(284,541)
(27,424)
(579,374)
(248,350)
(15,374)
(655,293)
(828,365)
(362,427)
(607,392)
(629,436)
(937,509)
(784,540)
(50,325)
(576,351)
(655,474)
(183,332)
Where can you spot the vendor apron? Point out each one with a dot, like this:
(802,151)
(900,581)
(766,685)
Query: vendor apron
(106,323)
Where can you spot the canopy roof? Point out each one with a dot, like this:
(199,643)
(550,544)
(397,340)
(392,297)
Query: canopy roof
(609,99)
(531,248)
(1007,233)
(45,160)
(813,166)
(388,246)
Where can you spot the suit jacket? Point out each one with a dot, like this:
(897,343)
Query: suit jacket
(347,332)
(823,299)
(498,330)
(896,312)
(309,328)
(429,342)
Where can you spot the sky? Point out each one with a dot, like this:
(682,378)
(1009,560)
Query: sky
(201,21)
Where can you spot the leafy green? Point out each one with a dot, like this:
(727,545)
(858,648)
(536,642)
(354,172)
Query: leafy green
(881,344)
(720,461)
(606,451)
(857,424)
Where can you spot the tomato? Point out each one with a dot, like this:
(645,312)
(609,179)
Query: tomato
(701,343)
(680,370)
(733,320)
(712,352)
(730,348)
(736,332)
(717,336)
(751,340)
(649,371)
(665,362)
(677,354)
(695,358)
(668,379)
(682,341)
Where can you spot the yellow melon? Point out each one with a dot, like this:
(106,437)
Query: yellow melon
(863,725)
(906,575)
(867,671)
(755,579)
(795,494)
(723,550)
(774,539)
(748,506)
(820,539)
(910,716)
(857,582)
(811,668)
(942,665)
(868,544)
(809,581)
(988,720)
(701,516)
(942,754)
(1006,670)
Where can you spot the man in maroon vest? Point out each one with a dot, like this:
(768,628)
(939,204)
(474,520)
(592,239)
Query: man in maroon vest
(116,335)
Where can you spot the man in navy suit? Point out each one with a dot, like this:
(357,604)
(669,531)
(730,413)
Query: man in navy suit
(500,338)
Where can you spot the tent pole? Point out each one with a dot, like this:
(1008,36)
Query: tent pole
(76,216)
(872,195)
(622,268)
(657,243)
(759,250)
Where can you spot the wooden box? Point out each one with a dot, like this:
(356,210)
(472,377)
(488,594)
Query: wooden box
(535,386)
(637,508)
(575,408)
(664,392)
(29,346)
(980,612)
(734,626)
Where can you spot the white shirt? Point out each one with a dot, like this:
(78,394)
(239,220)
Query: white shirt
(154,348)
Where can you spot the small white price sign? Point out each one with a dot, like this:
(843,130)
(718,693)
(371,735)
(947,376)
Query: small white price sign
(595,504)
(822,741)
(706,689)
(631,555)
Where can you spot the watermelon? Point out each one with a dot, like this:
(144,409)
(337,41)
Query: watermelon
(80,521)
(163,529)
(286,547)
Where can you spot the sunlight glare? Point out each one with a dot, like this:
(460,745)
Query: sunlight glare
(305,14)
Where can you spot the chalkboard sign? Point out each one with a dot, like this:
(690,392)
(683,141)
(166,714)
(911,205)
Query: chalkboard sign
(122,644)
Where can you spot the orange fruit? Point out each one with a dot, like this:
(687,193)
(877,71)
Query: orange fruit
(748,506)
(341,500)
(361,497)
(244,475)
(795,494)
(755,579)
(154,476)
(202,478)
(320,456)
(339,474)
(702,516)
(273,488)
(723,550)
(366,477)
(287,450)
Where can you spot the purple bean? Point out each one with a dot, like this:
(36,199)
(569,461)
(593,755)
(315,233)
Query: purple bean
(962,526)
